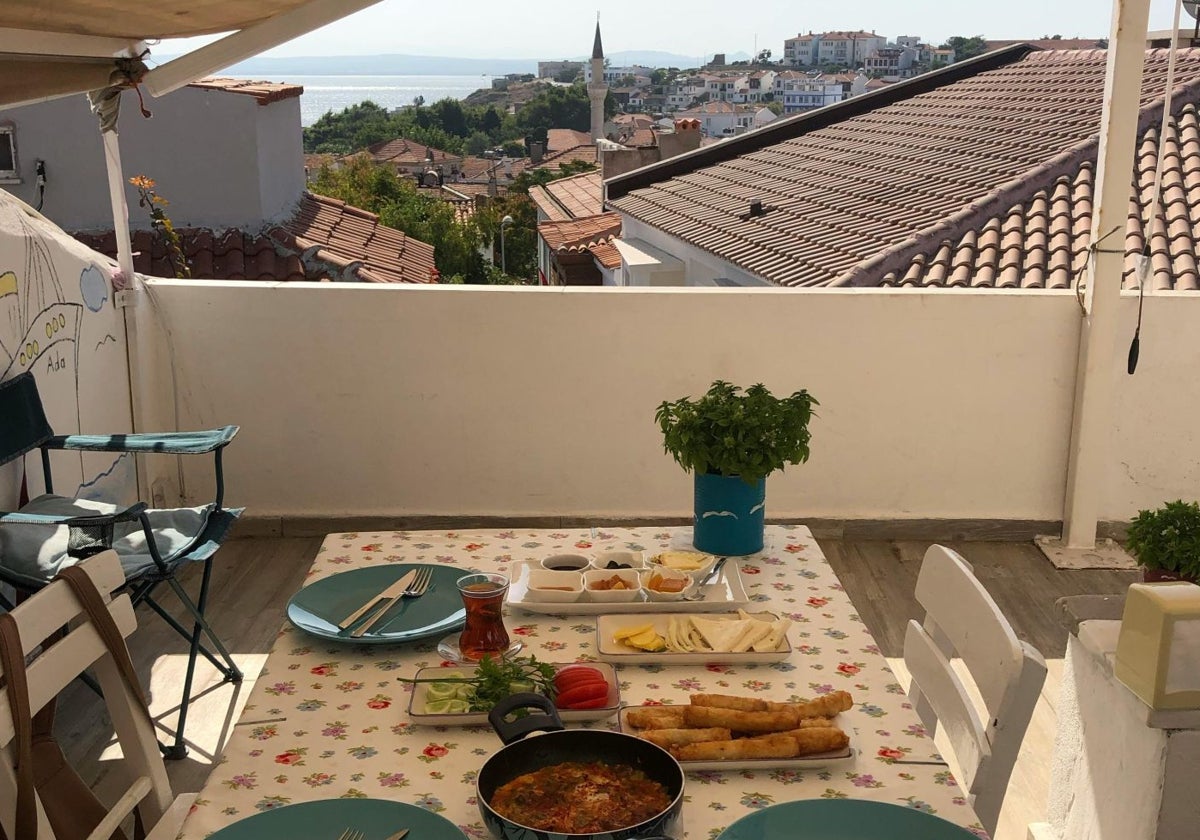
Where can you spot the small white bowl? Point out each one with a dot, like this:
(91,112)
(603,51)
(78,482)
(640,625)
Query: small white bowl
(623,559)
(566,562)
(549,587)
(612,596)
(706,562)
(669,574)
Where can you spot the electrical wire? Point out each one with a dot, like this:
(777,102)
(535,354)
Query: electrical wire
(1143,269)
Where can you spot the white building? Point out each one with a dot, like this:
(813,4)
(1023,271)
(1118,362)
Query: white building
(722,119)
(798,92)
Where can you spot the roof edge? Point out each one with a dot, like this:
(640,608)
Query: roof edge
(791,127)
(1017,190)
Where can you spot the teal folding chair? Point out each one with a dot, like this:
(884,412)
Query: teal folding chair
(52,531)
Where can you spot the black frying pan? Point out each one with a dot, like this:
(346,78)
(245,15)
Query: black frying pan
(557,745)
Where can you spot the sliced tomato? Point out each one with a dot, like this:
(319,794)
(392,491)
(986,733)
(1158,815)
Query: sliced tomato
(598,703)
(584,693)
(576,674)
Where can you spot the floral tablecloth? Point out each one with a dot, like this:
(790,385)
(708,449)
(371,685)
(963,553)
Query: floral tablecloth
(332,719)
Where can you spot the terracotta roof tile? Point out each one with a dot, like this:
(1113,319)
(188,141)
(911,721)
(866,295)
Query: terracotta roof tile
(404,152)
(560,139)
(576,154)
(579,233)
(570,198)
(607,255)
(264,92)
(978,177)
(323,240)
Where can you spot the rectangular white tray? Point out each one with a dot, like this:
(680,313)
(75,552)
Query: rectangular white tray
(416,700)
(611,651)
(723,594)
(808,762)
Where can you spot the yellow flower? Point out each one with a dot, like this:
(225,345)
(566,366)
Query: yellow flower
(142,182)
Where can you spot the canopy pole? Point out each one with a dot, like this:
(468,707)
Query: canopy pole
(120,210)
(1092,425)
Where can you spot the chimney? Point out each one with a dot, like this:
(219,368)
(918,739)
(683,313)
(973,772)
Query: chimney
(756,208)
(536,151)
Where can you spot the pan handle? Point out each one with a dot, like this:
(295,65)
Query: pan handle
(547,721)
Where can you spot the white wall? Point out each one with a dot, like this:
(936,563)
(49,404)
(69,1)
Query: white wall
(220,158)
(453,400)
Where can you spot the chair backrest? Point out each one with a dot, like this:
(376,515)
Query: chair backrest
(25,426)
(38,619)
(962,620)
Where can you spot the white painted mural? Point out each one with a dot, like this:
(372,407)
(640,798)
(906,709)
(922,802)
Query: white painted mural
(58,320)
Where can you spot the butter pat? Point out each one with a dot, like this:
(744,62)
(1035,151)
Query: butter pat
(1158,651)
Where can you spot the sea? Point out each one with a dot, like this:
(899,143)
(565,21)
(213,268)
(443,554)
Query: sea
(333,93)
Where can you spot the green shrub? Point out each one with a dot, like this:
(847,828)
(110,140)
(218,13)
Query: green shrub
(1167,538)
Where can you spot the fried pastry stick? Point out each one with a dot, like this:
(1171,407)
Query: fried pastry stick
(656,717)
(811,739)
(750,722)
(770,747)
(827,705)
(678,737)
(728,701)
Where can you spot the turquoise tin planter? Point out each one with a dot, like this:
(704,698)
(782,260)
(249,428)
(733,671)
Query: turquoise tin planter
(729,515)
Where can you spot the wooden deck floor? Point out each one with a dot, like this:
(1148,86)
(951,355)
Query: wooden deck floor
(253,579)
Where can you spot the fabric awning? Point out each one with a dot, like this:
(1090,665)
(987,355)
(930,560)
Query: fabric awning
(138,20)
(26,78)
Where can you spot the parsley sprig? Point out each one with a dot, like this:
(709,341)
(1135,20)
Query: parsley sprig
(497,677)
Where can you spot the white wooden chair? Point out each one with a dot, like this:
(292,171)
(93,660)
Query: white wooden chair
(38,618)
(962,620)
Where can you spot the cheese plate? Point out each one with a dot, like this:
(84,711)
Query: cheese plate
(725,593)
(611,649)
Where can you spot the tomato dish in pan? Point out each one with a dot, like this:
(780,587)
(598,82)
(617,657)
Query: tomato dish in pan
(577,798)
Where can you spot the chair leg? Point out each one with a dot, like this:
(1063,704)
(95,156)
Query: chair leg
(232,672)
(187,634)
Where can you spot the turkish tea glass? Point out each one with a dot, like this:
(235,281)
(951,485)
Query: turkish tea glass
(484,633)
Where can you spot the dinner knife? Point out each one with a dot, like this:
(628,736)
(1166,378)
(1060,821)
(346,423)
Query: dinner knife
(399,835)
(389,592)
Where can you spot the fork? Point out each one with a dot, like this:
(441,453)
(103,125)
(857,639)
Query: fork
(418,587)
(350,834)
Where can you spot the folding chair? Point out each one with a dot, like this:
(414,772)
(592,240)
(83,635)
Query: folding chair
(53,531)
(961,619)
(58,659)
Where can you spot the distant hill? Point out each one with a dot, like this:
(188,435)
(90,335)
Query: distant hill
(430,65)
(381,65)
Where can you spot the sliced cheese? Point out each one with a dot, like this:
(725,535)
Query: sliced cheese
(755,632)
(720,635)
(773,640)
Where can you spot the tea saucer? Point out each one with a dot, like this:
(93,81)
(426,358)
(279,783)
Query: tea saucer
(449,650)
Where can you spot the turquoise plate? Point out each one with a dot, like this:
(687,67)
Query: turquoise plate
(318,607)
(326,819)
(843,819)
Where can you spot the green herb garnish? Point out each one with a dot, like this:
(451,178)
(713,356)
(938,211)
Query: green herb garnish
(497,678)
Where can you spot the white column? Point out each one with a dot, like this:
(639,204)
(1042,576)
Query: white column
(1091,429)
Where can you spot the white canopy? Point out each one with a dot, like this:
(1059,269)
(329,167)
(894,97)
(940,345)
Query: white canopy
(52,48)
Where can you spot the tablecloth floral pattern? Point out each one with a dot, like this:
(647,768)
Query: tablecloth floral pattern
(336,723)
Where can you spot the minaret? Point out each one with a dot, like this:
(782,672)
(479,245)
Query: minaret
(597,88)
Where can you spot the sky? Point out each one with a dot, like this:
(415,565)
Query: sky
(478,29)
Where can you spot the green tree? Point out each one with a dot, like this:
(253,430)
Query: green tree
(965,48)
(477,144)
(567,75)
(775,108)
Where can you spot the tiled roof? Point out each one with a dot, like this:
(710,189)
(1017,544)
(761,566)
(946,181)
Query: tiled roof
(607,254)
(578,234)
(1043,241)
(213,255)
(571,198)
(352,241)
(585,154)
(264,92)
(477,168)
(404,152)
(324,240)
(558,139)
(951,151)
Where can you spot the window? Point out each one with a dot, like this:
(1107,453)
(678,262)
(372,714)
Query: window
(8,152)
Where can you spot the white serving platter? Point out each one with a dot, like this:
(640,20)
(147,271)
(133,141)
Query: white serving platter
(808,762)
(616,652)
(722,595)
(416,700)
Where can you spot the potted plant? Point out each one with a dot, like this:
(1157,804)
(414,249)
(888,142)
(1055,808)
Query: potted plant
(1166,542)
(732,441)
